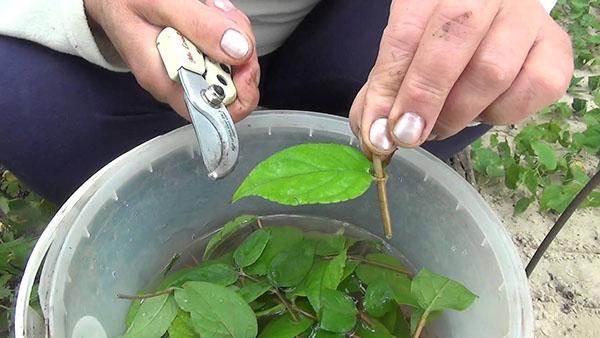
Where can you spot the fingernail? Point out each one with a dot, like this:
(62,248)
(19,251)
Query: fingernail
(378,135)
(432,137)
(409,128)
(224,5)
(235,44)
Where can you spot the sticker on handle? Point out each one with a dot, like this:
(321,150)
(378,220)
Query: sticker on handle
(178,52)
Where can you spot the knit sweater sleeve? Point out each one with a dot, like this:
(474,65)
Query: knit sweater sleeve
(60,25)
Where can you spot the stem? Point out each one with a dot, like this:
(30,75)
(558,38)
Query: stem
(363,316)
(271,311)
(259,223)
(146,295)
(421,324)
(243,274)
(286,304)
(381,180)
(379,264)
(306,314)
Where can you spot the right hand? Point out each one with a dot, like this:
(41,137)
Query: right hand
(217,28)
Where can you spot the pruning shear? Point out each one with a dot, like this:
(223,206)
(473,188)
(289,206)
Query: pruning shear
(208,88)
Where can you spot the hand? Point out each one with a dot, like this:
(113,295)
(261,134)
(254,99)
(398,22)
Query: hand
(217,28)
(443,64)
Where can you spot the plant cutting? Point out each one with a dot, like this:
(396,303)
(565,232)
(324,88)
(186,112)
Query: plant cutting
(280,281)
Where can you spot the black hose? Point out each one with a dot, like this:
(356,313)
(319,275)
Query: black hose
(560,222)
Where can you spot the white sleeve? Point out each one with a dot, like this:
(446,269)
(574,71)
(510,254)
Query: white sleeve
(60,25)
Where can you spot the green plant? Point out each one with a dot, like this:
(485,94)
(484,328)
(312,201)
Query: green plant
(22,216)
(545,160)
(283,282)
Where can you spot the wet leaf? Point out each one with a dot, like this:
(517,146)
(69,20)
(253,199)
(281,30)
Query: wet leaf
(217,311)
(434,292)
(214,273)
(398,282)
(326,275)
(378,330)
(153,318)
(326,334)
(290,266)
(309,174)
(338,312)
(327,244)
(379,299)
(281,239)
(251,249)
(181,327)
(252,290)
(285,327)
(228,229)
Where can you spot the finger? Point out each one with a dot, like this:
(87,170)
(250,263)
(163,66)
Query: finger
(219,37)
(492,69)
(230,11)
(543,79)
(399,42)
(146,64)
(451,37)
(246,79)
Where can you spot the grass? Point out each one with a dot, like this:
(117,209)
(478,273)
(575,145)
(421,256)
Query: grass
(545,163)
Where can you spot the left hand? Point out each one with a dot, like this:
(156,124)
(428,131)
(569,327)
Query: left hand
(443,64)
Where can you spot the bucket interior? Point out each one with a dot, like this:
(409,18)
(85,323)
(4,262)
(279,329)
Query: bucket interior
(156,200)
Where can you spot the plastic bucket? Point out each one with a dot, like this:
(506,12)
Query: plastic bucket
(126,222)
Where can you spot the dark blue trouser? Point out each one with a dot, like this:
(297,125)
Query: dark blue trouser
(62,118)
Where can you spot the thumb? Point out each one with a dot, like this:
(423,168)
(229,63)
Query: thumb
(216,35)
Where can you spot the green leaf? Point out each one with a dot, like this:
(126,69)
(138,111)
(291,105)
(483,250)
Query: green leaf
(390,318)
(228,229)
(181,327)
(512,176)
(133,310)
(338,312)
(398,282)
(349,269)
(309,174)
(281,239)
(326,276)
(217,311)
(402,329)
(351,285)
(531,180)
(579,105)
(214,273)
(545,154)
(252,290)
(326,334)
(251,249)
(153,317)
(327,244)
(487,162)
(379,299)
(592,201)
(378,330)
(522,205)
(434,292)
(290,266)
(285,327)
(594,82)
(557,197)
